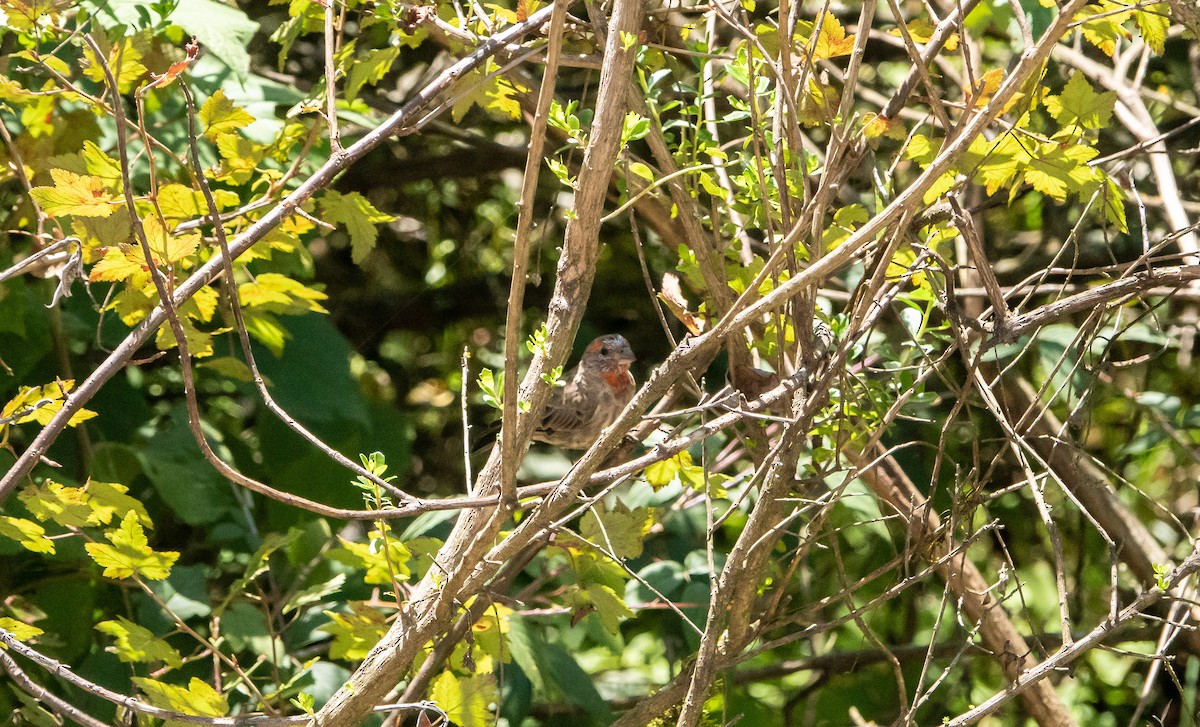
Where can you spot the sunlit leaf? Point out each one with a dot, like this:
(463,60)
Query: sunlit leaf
(130,553)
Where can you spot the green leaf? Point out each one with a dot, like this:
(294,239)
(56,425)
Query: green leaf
(181,476)
(1114,205)
(360,218)
(1080,105)
(610,607)
(223,30)
(369,70)
(621,531)
(136,643)
(130,553)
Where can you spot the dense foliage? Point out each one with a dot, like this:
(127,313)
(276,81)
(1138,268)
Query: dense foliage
(913,288)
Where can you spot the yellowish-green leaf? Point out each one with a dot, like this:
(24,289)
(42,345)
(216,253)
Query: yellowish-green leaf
(198,698)
(219,115)
(179,203)
(124,60)
(75,194)
(1057,170)
(1114,205)
(369,70)
(922,149)
(279,294)
(166,248)
(135,643)
(355,633)
(678,467)
(199,342)
(100,164)
(360,218)
(641,170)
(240,157)
(881,126)
(610,607)
(19,631)
(1154,21)
(130,554)
(27,533)
(466,701)
(819,105)
(26,14)
(202,305)
(1080,105)
(266,329)
(1102,24)
(108,499)
(620,531)
(102,232)
(66,506)
(120,262)
(41,403)
(921,31)
(380,563)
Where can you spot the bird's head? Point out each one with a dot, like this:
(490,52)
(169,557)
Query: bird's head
(610,356)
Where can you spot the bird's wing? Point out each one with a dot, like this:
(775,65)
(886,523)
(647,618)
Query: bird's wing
(566,411)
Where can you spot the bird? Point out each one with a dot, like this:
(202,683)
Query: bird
(595,392)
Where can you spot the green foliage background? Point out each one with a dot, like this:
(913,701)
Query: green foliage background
(362,309)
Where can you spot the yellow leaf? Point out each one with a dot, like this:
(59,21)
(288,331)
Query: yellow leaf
(355,633)
(41,403)
(281,294)
(108,499)
(166,248)
(130,553)
(987,85)
(75,194)
(178,203)
(880,125)
(66,506)
(921,31)
(19,631)
(120,262)
(219,115)
(198,698)
(831,40)
(27,533)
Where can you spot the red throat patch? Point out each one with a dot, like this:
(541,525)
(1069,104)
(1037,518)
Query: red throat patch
(618,379)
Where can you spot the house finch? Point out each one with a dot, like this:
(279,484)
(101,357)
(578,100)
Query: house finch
(597,389)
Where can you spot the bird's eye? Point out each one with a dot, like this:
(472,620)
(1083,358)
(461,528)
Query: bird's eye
(604,350)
